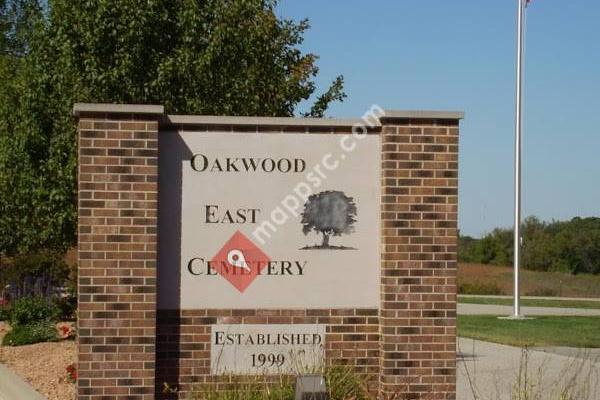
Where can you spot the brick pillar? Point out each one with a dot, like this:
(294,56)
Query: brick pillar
(118,153)
(418,263)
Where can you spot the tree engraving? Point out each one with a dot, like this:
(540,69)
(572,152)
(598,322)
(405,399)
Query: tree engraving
(330,213)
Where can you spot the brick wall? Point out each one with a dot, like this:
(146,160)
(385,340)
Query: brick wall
(127,352)
(117,256)
(418,263)
(183,341)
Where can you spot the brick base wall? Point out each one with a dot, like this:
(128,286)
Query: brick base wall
(183,341)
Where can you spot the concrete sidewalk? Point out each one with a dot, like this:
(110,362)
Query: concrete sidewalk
(492,309)
(12,387)
(491,371)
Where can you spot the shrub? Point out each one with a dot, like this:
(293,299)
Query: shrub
(31,310)
(479,287)
(36,274)
(4,312)
(67,307)
(542,292)
(29,334)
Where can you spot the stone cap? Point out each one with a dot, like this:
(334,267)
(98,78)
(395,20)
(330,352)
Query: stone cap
(422,114)
(181,120)
(207,120)
(108,108)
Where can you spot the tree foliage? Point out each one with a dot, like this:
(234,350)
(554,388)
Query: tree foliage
(218,57)
(567,246)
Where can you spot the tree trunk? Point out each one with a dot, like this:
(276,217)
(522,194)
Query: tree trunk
(325,243)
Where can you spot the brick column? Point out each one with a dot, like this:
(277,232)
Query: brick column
(118,153)
(418,263)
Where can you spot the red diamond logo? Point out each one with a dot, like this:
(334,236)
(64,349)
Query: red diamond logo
(239,261)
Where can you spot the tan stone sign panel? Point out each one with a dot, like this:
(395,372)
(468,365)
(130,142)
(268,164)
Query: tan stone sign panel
(267,349)
(269,220)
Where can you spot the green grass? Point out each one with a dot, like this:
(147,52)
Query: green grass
(532,302)
(540,331)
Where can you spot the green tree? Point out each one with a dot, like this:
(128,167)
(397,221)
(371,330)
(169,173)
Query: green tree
(219,57)
(19,19)
(537,245)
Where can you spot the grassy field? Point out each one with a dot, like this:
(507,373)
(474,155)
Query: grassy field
(490,279)
(540,331)
(532,302)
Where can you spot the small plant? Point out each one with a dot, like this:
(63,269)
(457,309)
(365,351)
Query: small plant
(167,390)
(344,383)
(65,331)
(67,307)
(31,310)
(232,387)
(71,373)
(21,335)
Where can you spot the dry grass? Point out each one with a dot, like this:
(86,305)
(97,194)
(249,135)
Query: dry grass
(577,379)
(342,384)
(533,283)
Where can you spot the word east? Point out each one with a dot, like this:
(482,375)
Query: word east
(219,215)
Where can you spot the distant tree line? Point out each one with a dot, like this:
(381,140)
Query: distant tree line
(565,246)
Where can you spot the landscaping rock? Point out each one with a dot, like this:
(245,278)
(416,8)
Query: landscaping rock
(43,366)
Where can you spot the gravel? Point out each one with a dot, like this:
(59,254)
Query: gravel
(43,366)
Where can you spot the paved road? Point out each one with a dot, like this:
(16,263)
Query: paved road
(491,370)
(481,309)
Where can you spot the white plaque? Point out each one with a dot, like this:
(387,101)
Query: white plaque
(267,349)
(250,221)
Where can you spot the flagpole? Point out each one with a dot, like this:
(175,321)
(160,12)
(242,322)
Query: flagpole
(518,139)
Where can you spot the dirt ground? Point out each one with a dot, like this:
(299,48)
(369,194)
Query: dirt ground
(42,365)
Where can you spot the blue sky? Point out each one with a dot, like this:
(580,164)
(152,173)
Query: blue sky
(460,55)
